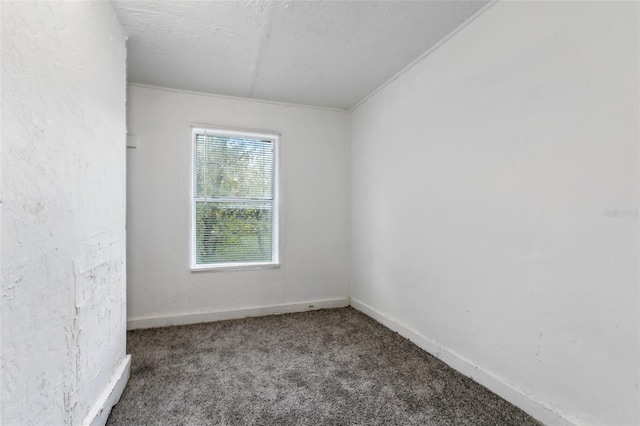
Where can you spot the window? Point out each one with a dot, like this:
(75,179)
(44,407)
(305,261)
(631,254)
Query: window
(234,212)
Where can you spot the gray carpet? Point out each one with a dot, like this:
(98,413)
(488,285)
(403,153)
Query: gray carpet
(329,367)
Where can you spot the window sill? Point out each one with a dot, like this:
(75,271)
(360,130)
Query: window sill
(234,267)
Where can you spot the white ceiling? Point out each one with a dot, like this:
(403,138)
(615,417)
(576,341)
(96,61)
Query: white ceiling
(323,53)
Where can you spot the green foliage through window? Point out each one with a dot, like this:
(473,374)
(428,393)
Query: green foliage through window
(234,186)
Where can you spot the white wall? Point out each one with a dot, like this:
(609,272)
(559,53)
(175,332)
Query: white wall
(483,180)
(63,212)
(314,160)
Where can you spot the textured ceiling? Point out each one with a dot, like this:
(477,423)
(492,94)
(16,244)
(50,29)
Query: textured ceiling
(323,53)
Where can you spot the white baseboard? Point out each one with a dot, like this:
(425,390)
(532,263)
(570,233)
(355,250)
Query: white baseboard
(529,404)
(99,414)
(164,321)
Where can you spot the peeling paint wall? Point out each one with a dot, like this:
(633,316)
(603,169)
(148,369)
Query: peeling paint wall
(63,209)
(495,205)
(314,159)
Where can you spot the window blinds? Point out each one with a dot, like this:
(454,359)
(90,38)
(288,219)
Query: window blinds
(233,199)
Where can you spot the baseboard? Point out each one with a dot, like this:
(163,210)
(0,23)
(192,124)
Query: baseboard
(164,321)
(535,408)
(99,414)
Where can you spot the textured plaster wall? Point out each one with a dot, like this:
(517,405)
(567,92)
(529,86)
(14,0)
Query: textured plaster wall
(63,209)
(314,170)
(494,203)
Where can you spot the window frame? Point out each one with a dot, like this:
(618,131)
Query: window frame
(275,245)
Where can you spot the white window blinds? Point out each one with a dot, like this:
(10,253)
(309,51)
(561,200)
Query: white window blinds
(234,210)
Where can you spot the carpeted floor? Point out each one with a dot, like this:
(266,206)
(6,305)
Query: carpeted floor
(328,367)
